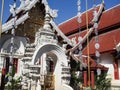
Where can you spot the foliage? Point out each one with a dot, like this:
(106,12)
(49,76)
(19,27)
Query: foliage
(102,83)
(14,83)
(75,80)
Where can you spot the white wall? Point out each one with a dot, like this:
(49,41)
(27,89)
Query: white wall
(107,61)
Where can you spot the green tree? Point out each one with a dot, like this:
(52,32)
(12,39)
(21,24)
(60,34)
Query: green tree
(102,83)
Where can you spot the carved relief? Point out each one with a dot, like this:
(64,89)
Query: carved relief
(32,25)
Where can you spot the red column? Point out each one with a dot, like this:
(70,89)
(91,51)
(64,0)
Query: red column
(3,71)
(47,88)
(3,79)
(15,62)
(85,78)
(116,70)
(92,79)
(51,66)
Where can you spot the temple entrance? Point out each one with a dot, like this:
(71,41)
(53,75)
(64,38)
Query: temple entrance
(52,58)
(48,62)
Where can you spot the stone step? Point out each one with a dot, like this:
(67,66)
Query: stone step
(27,58)
(35,66)
(30,45)
(30,49)
(35,75)
(29,53)
(26,66)
(27,61)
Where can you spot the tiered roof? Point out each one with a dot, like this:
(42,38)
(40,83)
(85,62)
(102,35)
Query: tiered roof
(108,29)
(21,13)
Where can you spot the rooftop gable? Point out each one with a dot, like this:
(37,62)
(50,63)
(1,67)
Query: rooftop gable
(109,18)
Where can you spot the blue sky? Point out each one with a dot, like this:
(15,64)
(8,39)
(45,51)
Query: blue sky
(66,8)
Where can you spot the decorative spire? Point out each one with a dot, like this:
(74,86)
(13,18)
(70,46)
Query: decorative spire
(48,17)
(22,3)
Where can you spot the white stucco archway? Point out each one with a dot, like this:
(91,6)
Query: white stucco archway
(61,60)
(58,51)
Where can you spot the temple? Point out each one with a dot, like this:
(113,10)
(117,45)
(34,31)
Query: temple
(108,30)
(46,56)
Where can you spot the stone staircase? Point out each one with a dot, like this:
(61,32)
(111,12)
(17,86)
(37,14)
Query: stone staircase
(66,74)
(33,70)
(29,51)
(29,71)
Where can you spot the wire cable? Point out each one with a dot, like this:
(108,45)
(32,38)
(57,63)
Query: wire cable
(1,18)
(88,49)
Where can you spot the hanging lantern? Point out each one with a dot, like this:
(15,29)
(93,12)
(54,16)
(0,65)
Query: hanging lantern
(79,21)
(97,45)
(98,71)
(79,13)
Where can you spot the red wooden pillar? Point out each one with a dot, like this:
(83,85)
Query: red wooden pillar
(51,66)
(15,62)
(7,64)
(47,88)
(85,78)
(5,70)
(92,79)
(3,79)
(116,70)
